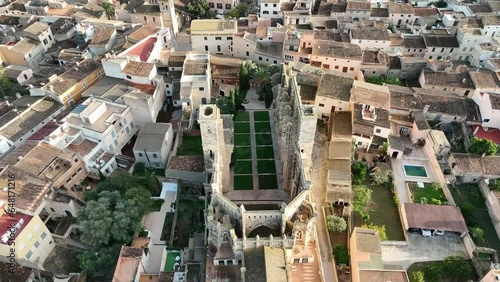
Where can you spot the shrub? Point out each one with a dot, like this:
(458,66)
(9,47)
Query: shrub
(435,201)
(381,230)
(495,184)
(341,254)
(478,235)
(481,146)
(139,168)
(361,198)
(424,200)
(417,276)
(456,267)
(358,170)
(433,272)
(336,224)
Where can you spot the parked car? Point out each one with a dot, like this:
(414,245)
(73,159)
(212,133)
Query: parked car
(426,232)
(438,232)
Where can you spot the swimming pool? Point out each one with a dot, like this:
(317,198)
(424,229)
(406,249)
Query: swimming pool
(415,171)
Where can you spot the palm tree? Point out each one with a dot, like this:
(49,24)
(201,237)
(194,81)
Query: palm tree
(260,77)
(109,10)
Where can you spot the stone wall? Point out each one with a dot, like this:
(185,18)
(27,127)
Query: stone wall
(493,205)
(254,219)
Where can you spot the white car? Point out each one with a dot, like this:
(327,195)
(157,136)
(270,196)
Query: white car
(438,232)
(426,232)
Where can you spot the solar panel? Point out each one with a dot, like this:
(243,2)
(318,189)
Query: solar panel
(79,109)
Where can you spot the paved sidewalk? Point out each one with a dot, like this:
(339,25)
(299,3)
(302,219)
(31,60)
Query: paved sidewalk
(318,189)
(154,222)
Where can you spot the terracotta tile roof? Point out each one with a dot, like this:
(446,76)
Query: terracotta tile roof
(446,218)
(138,68)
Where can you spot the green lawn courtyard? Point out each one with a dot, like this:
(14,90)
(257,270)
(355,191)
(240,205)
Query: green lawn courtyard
(243,169)
(241,139)
(243,182)
(261,116)
(266,166)
(264,139)
(265,152)
(262,127)
(241,116)
(191,146)
(383,212)
(427,194)
(469,199)
(268,182)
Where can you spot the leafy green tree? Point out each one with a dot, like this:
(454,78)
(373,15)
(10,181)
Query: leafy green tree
(417,276)
(260,77)
(238,11)
(98,261)
(380,229)
(6,85)
(358,171)
(109,10)
(341,254)
(433,272)
(139,168)
(362,196)
(226,104)
(478,235)
(273,69)
(141,197)
(441,4)
(110,219)
(244,77)
(120,180)
(481,146)
(200,9)
(457,268)
(90,196)
(435,201)
(380,80)
(381,176)
(336,224)
(268,95)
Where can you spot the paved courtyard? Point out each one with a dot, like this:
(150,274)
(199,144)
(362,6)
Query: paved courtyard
(423,249)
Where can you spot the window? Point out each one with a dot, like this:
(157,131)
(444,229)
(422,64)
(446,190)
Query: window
(336,67)
(228,6)
(486,120)
(50,38)
(218,38)
(22,246)
(430,57)
(265,5)
(229,38)
(378,130)
(275,5)
(155,156)
(211,5)
(218,48)
(154,20)
(113,134)
(219,5)
(29,254)
(140,155)
(99,73)
(275,62)
(275,13)
(116,142)
(37,226)
(248,53)
(145,18)
(321,105)
(260,58)
(129,77)
(433,49)
(37,244)
(206,47)
(351,68)
(451,50)
(111,148)
(45,41)
(265,12)
(205,38)
(132,125)
(43,235)
(128,130)
(201,89)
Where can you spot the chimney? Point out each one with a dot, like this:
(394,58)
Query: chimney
(51,88)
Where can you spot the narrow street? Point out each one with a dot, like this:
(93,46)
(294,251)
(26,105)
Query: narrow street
(318,189)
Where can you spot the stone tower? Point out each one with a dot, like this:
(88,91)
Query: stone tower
(168,15)
(214,149)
